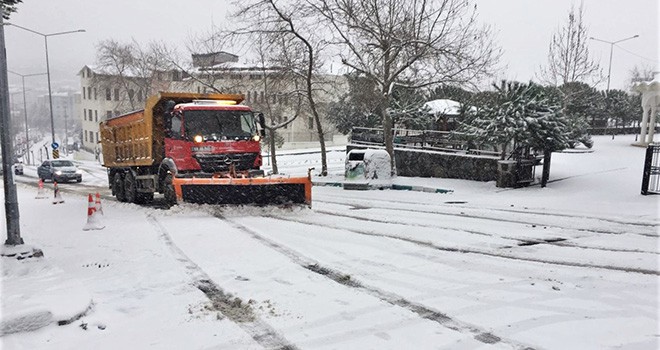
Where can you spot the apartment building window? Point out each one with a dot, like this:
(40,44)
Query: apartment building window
(97,136)
(84,93)
(96,116)
(108,95)
(89,92)
(131,93)
(95,94)
(310,120)
(85,133)
(286,119)
(108,114)
(84,114)
(248,96)
(116,94)
(140,95)
(262,97)
(274,98)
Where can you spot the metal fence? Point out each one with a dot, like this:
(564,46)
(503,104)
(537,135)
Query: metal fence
(441,141)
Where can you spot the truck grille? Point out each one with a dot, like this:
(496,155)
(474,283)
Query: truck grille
(212,163)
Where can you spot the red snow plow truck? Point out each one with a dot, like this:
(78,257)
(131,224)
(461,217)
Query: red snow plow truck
(197,148)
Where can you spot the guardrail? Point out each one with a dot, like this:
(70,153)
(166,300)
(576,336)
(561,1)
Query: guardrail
(433,140)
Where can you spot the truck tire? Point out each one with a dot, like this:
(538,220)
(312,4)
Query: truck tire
(168,191)
(130,188)
(118,187)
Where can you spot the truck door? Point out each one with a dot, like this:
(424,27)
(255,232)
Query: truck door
(177,148)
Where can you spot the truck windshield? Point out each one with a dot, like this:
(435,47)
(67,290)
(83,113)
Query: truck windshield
(219,125)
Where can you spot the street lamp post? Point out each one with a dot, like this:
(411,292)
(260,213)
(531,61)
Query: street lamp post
(50,94)
(12,216)
(27,136)
(609,70)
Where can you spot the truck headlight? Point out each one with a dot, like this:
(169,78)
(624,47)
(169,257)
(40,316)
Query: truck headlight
(198,138)
(58,172)
(256,138)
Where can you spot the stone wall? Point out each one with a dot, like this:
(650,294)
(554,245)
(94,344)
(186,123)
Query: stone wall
(418,163)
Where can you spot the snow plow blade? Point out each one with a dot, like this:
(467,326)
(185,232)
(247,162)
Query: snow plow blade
(256,190)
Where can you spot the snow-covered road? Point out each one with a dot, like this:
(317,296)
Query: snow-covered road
(479,268)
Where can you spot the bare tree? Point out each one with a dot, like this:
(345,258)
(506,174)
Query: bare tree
(568,56)
(280,89)
(130,67)
(290,25)
(640,73)
(278,85)
(416,43)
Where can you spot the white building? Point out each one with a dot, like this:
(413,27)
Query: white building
(103,96)
(66,113)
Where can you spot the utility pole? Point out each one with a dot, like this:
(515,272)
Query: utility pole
(11,199)
(50,93)
(27,135)
(66,134)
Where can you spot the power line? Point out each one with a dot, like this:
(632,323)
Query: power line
(634,54)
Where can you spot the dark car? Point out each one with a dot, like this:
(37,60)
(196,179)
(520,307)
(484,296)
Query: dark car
(59,170)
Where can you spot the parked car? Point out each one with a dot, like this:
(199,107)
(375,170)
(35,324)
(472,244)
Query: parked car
(18,168)
(59,170)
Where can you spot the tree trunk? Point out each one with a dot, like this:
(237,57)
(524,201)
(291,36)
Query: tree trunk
(387,135)
(546,167)
(272,146)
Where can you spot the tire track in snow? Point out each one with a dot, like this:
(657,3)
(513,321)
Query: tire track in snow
(521,240)
(484,217)
(474,251)
(232,308)
(645,223)
(346,280)
(507,210)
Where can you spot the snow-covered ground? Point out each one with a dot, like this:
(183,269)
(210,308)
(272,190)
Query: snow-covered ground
(570,266)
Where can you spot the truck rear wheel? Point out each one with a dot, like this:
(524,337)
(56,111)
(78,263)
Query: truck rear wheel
(168,191)
(130,188)
(118,187)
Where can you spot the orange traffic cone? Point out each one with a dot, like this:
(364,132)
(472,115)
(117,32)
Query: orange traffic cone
(57,197)
(93,219)
(98,207)
(41,193)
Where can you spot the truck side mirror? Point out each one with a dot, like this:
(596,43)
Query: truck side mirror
(262,124)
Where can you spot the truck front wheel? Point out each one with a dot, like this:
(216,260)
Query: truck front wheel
(168,191)
(118,187)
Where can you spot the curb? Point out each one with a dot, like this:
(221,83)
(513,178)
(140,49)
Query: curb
(394,187)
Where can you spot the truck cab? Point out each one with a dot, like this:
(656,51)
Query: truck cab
(207,137)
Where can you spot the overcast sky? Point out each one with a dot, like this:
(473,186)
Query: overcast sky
(523,29)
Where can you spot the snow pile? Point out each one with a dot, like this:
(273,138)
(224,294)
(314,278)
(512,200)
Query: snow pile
(37,294)
(444,107)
